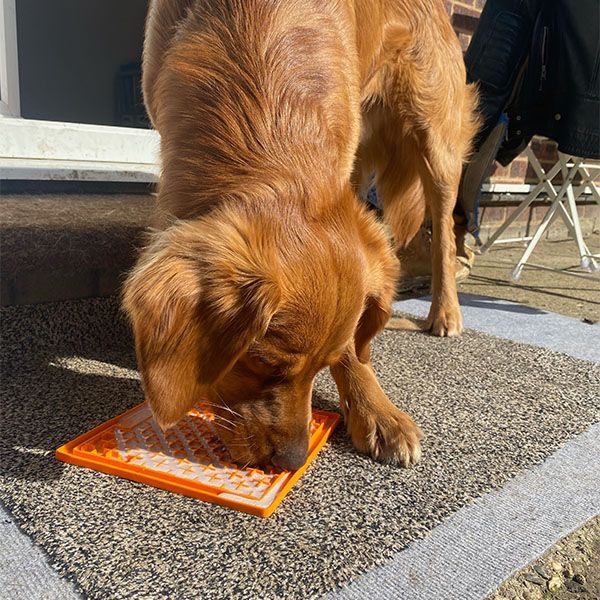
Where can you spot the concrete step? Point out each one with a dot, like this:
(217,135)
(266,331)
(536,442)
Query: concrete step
(65,246)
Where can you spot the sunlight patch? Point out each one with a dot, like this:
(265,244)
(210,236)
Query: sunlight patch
(88,366)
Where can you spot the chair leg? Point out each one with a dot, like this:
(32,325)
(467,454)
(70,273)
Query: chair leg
(544,183)
(515,274)
(556,197)
(587,260)
(563,204)
(533,194)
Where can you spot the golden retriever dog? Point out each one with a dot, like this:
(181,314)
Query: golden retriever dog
(265,267)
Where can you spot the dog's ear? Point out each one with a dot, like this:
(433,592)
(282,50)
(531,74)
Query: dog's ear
(195,309)
(381,274)
(373,319)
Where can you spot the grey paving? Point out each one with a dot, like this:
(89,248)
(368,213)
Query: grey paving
(25,573)
(519,323)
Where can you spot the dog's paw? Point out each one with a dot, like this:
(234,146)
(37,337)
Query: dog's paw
(445,322)
(389,436)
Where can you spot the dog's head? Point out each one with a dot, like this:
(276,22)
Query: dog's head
(241,309)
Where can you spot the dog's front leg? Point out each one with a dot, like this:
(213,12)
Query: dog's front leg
(445,318)
(374,424)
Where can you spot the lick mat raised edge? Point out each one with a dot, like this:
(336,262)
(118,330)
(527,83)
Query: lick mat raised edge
(188,459)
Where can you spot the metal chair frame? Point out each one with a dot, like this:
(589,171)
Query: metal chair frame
(562,198)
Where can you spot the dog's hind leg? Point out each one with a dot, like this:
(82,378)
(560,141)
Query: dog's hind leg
(444,136)
(441,171)
(419,183)
(414,183)
(402,195)
(426,123)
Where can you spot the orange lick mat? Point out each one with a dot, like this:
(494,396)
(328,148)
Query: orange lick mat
(188,459)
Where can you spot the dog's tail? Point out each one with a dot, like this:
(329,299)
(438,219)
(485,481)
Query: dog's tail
(404,324)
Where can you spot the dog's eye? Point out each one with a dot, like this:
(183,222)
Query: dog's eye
(273,369)
(259,364)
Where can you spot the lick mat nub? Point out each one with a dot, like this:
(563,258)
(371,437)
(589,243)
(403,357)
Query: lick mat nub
(189,459)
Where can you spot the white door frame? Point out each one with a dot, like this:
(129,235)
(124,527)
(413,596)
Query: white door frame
(9,61)
(52,150)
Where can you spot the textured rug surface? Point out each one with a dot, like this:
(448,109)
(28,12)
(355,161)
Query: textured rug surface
(490,409)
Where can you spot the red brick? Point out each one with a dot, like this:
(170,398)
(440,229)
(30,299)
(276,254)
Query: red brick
(493,214)
(499,173)
(462,9)
(518,169)
(546,149)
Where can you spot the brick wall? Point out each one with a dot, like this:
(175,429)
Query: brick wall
(464,17)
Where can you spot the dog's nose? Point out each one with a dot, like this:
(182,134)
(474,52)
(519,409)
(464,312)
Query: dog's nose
(292,457)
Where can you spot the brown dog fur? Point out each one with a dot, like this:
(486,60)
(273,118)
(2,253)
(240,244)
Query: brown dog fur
(265,267)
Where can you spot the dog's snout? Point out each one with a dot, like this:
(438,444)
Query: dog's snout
(291,457)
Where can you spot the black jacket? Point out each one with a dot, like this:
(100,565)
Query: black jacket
(539,61)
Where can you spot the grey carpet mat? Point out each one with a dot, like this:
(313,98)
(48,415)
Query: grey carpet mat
(490,409)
